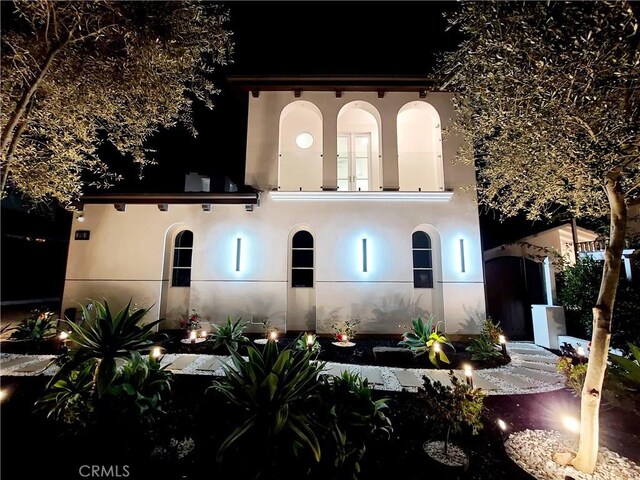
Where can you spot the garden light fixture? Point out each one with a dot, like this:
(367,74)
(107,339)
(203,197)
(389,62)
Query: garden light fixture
(571,423)
(468,373)
(501,423)
(63,336)
(3,395)
(203,334)
(503,344)
(192,337)
(310,341)
(156,353)
(436,347)
(273,336)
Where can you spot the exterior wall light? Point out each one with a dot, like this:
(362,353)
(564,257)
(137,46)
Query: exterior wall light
(238,253)
(462,265)
(80,217)
(364,255)
(304,140)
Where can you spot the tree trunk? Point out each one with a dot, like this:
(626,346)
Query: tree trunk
(21,106)
(587,455)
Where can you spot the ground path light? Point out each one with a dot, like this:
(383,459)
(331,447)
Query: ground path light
(156,352)
(310,341)
(192,336)
(203,334)
(274,336)
(581,354)
(503,344)
(503,428)
(468,373)
(572,424)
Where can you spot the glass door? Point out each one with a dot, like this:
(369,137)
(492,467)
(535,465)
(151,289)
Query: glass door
(354,161)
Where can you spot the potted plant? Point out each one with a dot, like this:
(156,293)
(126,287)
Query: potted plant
(345,332)
(451,410)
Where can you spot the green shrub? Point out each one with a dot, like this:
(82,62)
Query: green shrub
(578,289)
(491,331)
(452,409)
(102,339)
(423,338)
(133,399)
(301,343)
(38,326)
(230,335)
(574,374)
(271,393)
(482,349)
(351,418)
(627,369)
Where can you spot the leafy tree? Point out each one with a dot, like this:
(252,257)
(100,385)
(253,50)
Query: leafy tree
(77,74)
(550,97)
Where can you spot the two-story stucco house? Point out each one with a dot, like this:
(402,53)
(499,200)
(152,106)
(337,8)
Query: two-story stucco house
(358,213)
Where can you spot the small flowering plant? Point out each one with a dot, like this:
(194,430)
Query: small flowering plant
(192,322)
(345,331)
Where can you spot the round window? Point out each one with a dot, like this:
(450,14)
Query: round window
(304,140)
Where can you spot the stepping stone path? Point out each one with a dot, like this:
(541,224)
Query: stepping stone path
(211,365)
(547,367)
(36,366)
(373,375)
(182,362)
(512,379)
(541,377)
(529,362)
(531,358)
(406,378)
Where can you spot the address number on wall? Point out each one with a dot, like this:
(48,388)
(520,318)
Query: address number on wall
(83,234)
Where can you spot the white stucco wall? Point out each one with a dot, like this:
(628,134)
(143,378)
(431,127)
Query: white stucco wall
(263,125)
(125,254)
(129,252)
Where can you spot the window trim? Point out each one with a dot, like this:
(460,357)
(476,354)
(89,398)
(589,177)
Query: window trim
(173,259)
(313,260)
(413,262)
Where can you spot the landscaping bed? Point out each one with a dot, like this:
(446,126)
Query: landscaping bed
(362,353)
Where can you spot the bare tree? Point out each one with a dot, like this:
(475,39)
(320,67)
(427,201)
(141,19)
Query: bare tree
(77,74)
(550,98)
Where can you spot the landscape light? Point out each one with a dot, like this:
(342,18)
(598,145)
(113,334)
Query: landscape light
(192,336)
(580,351)
(64,335)
(203,334)
(468,373)
(156,352)
(3,395)
(273,335)
(502,425)
(436,347)
(503,344)
(571,423)
(309,341)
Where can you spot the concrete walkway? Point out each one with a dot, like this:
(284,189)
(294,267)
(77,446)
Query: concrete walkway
(532,370)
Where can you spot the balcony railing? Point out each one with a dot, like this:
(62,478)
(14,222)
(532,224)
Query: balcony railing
(598,245)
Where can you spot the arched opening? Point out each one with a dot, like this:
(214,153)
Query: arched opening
(301,296)
(176,275)
(359,149)
(419,148)
(427,271)
(300,147)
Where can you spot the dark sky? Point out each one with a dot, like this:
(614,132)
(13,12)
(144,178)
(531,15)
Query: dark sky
(293,38)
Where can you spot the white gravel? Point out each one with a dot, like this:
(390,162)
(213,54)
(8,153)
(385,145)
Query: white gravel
(532,450)
(455,455)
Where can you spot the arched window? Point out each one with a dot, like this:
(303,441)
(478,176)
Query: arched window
(422,261)
(302,260)
(182,252)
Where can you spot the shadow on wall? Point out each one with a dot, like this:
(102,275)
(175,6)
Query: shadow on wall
(472,324)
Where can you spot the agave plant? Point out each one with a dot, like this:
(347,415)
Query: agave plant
(68,400)
(424,337)
(308,341)
(483,349)
(38,327)
(271,390)
(230,335)
(104,338)
(353,419)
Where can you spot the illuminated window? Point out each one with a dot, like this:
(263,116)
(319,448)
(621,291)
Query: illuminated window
(182,252)
(422,261)
(302,260)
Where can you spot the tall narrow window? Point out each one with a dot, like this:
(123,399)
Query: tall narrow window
(422,261)
(182,252)
(302,260)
